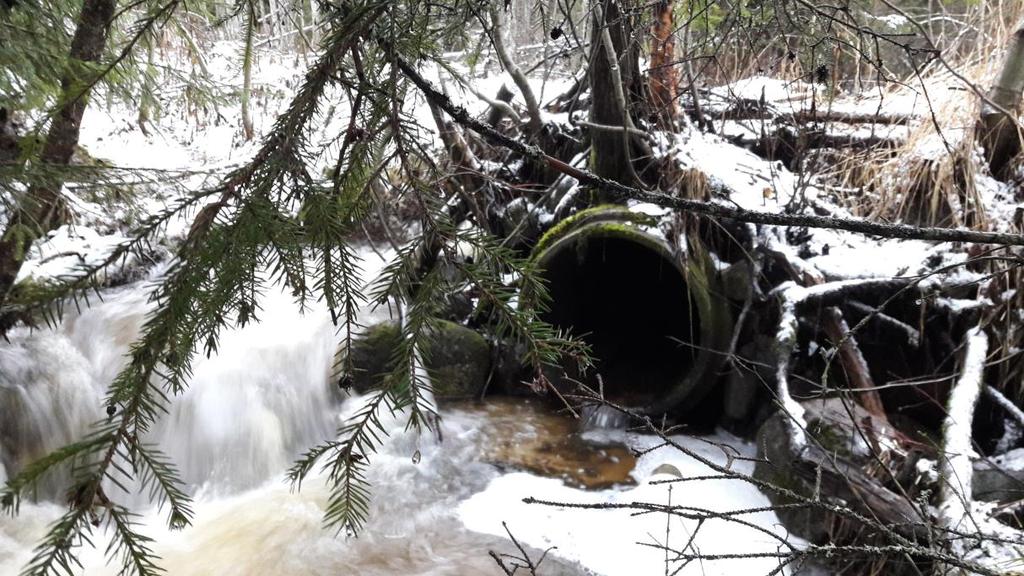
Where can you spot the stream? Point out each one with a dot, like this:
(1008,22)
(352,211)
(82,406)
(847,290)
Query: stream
(267,396)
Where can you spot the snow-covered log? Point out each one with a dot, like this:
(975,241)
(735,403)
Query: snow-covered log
(785,340)
(955,468)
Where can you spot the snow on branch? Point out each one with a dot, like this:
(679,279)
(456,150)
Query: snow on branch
(785,340)
(1012,410)
(955,468)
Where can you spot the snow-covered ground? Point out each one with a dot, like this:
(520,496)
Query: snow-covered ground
(623,538)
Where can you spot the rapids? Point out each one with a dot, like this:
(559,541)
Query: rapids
(267,395)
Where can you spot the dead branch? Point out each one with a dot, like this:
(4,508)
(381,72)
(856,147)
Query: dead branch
(1011,409)
(858,375)
(498,40)
(913,334)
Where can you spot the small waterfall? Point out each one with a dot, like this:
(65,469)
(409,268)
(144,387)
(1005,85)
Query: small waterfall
(602,417)
(48,398)
(249,411)
(258,403)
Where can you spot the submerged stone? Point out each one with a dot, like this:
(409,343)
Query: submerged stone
(529,437)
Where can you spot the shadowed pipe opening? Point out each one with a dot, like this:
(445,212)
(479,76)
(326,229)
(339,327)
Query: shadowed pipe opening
(631,304)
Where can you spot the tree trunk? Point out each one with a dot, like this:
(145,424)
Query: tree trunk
(999,133)
(610,155)
(40,208)
(664,76)
(507,62)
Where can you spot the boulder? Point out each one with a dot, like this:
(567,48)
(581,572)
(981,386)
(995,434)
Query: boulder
(457,358)
(839,460)
(742,394)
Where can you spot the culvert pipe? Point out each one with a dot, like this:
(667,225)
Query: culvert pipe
(655,322)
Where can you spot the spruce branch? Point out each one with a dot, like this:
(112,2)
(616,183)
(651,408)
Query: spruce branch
(215,270)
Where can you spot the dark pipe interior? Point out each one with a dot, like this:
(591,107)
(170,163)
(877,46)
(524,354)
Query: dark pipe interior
(628,302)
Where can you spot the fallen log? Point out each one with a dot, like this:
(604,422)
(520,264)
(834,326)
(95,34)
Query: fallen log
(754,110)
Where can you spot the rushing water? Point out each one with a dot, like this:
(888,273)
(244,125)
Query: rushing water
(266,396)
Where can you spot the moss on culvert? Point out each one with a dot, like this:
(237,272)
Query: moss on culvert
(602,213)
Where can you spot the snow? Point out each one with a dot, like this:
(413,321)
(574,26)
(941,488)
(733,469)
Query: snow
(853,256)
(785,340)
(649,209)
(894,21)
(772,90)
(66,250)
(624,542)
(755,183)
(1012,460)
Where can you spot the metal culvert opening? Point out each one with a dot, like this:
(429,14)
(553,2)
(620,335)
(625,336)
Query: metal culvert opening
(619,290)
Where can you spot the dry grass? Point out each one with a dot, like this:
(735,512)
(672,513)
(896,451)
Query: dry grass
(930,180)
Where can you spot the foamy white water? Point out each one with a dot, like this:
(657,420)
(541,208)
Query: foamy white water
(253,408)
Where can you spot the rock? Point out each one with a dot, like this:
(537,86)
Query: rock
(743,384)
(830,424)
(829,421)
(999,478)
(457,358)
(459,361)
(667,469)
(737,281)
(774,460)
(511,373)
(372,354)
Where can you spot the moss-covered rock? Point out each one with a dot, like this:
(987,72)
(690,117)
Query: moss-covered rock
(372,355)
(457,358)
(775,455)
(830,423)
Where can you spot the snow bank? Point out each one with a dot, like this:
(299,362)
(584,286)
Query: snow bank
(622,542)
